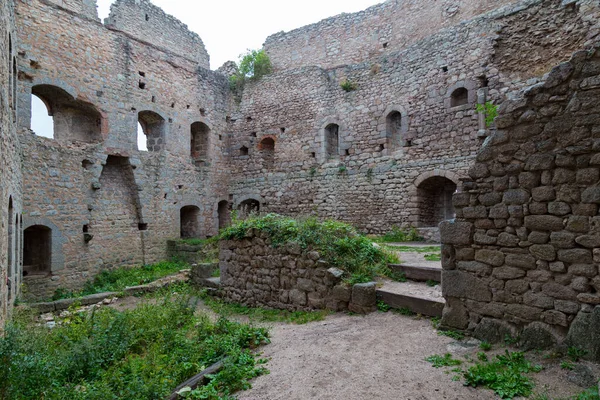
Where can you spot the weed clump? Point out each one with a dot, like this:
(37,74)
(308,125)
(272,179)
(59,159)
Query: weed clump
(338,243)
(139,354)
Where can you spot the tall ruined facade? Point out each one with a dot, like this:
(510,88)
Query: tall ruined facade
(11,200)
(368,118)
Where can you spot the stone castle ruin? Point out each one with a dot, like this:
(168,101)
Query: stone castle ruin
(406,147)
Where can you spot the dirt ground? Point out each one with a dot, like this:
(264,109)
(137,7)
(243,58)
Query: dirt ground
(378,356)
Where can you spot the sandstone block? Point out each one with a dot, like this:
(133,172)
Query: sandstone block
(544,223)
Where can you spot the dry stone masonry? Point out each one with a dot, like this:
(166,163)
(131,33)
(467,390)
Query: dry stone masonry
(387,149)
(523,254)
(255,273)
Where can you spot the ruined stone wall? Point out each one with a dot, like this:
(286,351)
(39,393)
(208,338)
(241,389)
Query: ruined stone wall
(107,203)
(254,273)
(522,257)
(148,23)
(373,181)
(379,30)
(11,201)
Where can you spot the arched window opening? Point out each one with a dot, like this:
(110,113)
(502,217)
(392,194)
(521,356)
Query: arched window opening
(224,214)
(11,247)
(73,120)
(394,130)
(267,152)
(248,207)
(435,201)
(332,141)
(37,250)
(459,97)
(42,122)
(142,140)
(152,127)
(199,143)
(190,227)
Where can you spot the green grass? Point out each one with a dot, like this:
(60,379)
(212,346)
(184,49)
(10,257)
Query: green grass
(412,249)
(446,360)
(576,353)
(120,278)
(485,346)
(404,311)
(262,314)
(132,355)
(568,365)
(505,375)
(398,235)
(337,243)
(452,334)
(433,257)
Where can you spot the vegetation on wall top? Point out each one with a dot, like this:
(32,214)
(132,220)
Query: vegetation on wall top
(253,65)
(338,243)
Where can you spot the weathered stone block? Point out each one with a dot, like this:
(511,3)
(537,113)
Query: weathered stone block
(464,285)
(544,223)
(544,252)
(364,294)
(455,314)
(456,233)
(584,333)
(522,261)
(508,273)
(583,256)
(492,257)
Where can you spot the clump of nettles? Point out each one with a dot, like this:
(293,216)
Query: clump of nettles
(338,243)
(253,65)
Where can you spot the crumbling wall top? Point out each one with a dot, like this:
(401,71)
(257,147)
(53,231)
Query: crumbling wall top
(387,27)
(88,8)
(145,21)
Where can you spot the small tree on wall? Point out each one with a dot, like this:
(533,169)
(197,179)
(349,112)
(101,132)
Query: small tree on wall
(253,65)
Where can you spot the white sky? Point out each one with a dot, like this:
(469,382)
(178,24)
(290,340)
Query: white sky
(228,28)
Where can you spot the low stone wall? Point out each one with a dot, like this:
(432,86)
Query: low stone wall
(254,273)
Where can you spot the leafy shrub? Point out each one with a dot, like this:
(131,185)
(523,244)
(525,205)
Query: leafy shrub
(490,110)
(120,278)
(139,354)
(338,243)
(253,65)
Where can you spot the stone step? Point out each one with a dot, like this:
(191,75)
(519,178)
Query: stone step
(418,273)
(415,296)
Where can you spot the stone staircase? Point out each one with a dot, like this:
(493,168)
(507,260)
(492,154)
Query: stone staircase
(414,295)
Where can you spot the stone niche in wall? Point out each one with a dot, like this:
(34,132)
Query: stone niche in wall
(256,274)
(522,257)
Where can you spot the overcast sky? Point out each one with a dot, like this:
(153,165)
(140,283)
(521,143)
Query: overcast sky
(228,28)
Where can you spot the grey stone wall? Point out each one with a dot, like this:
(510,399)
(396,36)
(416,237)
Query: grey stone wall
(379,30)
(148,23)
(254,273)
(11,201)
(373,182)
(523,254)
